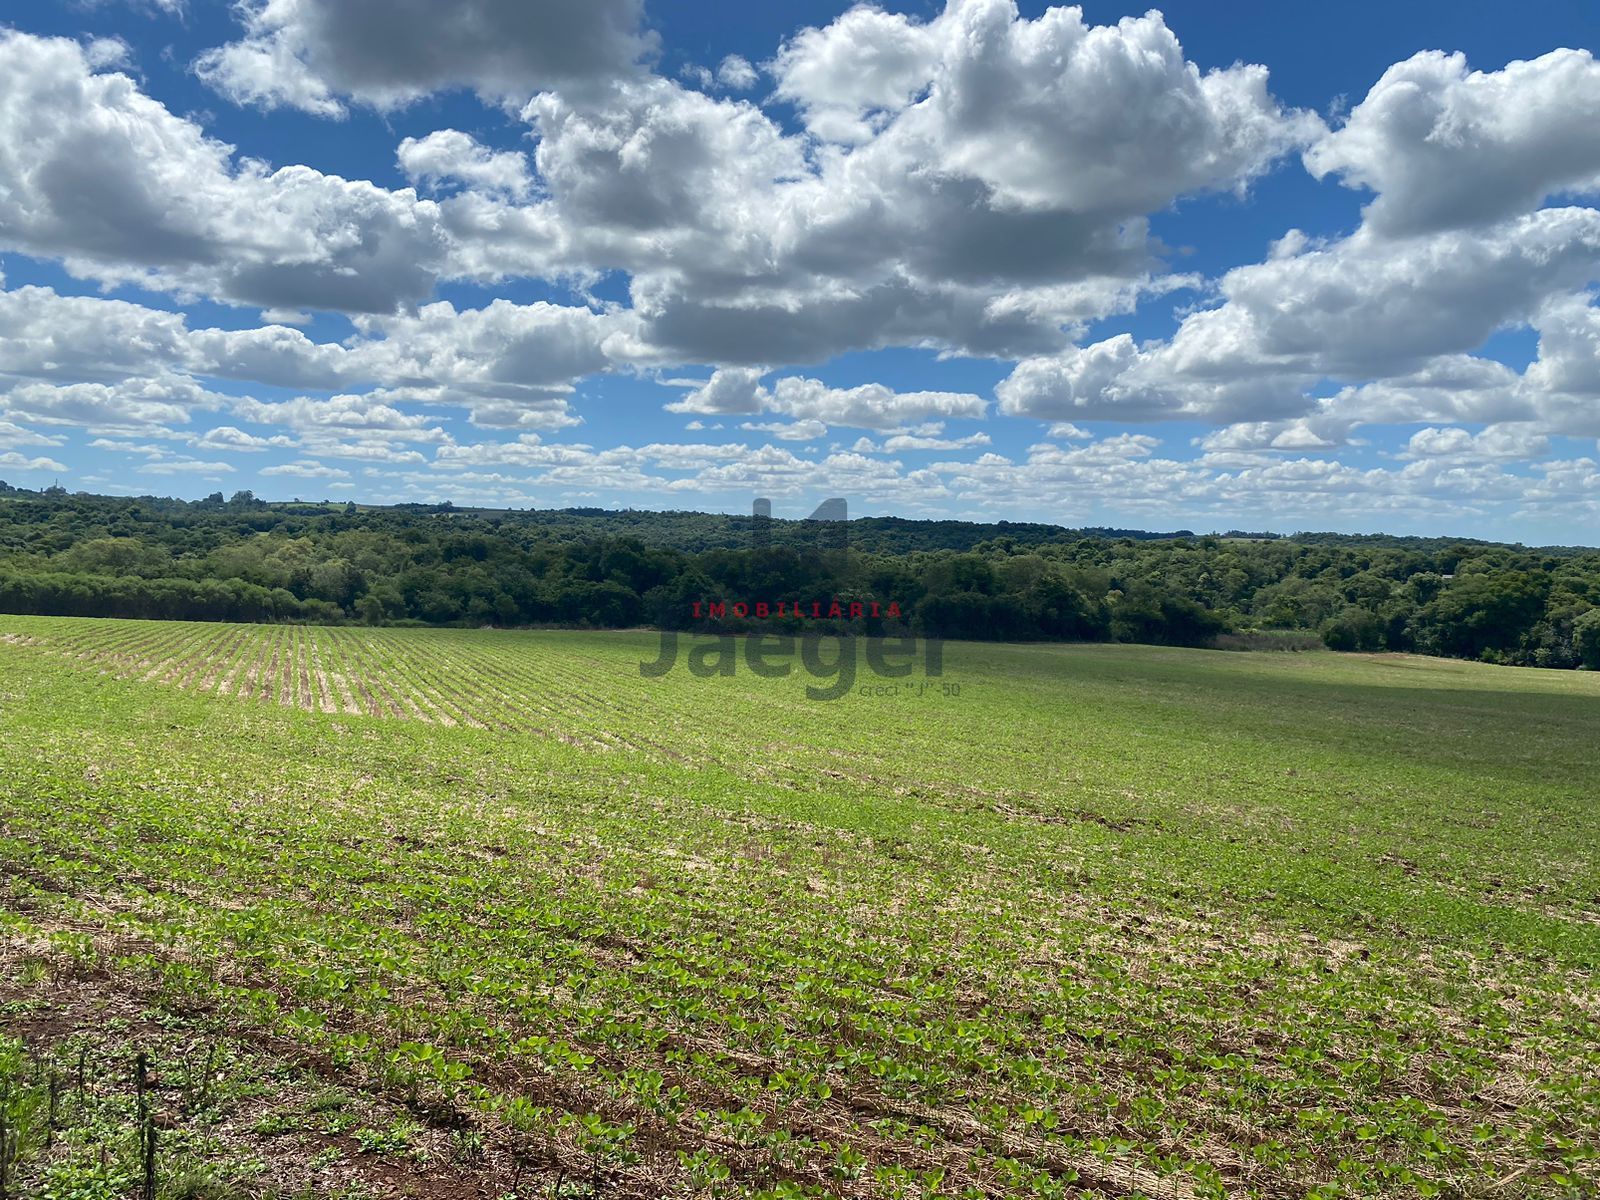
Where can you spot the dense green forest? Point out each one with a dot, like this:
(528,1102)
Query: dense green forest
(247,560)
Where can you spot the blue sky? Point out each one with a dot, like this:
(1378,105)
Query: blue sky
(1212,267)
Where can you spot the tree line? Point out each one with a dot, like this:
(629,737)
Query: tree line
(242,559)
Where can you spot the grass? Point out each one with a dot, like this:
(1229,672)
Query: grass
(1103,920)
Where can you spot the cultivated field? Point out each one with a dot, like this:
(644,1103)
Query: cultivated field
(483,914)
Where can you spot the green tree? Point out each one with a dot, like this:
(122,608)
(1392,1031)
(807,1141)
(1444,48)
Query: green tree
(370,609)
(1354,629)
(1586,639)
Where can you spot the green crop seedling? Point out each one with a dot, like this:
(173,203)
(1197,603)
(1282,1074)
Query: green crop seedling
(401,911)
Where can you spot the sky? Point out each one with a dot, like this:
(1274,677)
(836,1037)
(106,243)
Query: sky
(1243,266)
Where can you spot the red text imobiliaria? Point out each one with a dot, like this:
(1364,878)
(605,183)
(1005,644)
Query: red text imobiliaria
(855,610)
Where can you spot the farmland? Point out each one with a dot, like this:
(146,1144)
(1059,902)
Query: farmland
(480,913)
